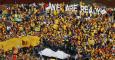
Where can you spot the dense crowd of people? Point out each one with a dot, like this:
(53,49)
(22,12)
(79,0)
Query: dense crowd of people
(92,38)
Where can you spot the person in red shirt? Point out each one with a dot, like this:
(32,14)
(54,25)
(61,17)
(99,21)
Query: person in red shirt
(15,51)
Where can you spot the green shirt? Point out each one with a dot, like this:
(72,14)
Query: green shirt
(2,57)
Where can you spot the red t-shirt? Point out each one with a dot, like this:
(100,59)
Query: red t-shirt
(14,57)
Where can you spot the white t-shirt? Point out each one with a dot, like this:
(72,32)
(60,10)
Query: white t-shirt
(8,27)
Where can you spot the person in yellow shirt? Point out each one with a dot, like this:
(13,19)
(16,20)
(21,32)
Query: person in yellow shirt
(91,42)
(56,21)
(55,12)
(55,26)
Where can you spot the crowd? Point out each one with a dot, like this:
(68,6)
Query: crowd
(20,54)
(92,38)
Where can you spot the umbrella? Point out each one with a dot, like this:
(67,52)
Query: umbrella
(47,52)
(61,55)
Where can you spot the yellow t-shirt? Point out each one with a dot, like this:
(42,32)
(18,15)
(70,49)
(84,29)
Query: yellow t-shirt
(55,13)
(56,21)
(91,42)
(64,27)
(55,26)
